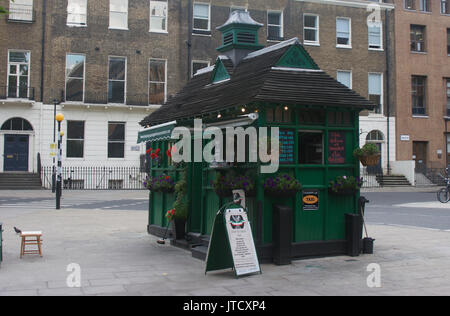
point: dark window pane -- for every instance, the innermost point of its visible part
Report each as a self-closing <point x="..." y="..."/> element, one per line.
<point x="116" y="131"/>
<point x="117" y="69"/>
<point x="19" y="57"/>
<point x="75" y="148"/>
<point x="116" y="92"/>
<point x="7" y="126"/>
<point x="311" y="35"/>
<point x="116" y="150"/>
<point x="27" y="126"/>
<point x="17" y="124"/>
<point x="74" y="90"/>
<point x="274" y="32"/>
<point x="12" y="87"/>
<point x="310" y="148"/>
<point x="201" y="24"/>
<point x="274" y="18"/>
<point x="310" y="21"/>
<point x="75" y="129"/>
<point x="158" y="70"/>
<point x="311" y="117"/>
<point x="156" y="93"/>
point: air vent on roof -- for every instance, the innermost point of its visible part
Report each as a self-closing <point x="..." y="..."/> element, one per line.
<point x="228" y="39"/>
<point x="245" y="37"/>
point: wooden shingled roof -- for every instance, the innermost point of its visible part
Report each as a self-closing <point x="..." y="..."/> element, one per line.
<point x="257" y="78"/>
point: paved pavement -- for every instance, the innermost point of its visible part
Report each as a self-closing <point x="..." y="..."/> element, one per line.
<point x="117" y="257"/>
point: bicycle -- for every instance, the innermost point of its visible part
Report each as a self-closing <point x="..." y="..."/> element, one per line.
<point x="444" y="194"/>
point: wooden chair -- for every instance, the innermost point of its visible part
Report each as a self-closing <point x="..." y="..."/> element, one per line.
<point x="31" y="239"/>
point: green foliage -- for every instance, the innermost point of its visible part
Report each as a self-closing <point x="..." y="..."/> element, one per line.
<point x="346" y="183"/>
<point x="368" y="149"/>
<point x="162" y="183"/>
<point x="181" y="204"/>
<point x="282" y="182"/>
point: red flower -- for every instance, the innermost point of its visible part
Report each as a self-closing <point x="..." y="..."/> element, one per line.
<point x="149" y="151"/>
<point x="157" y="151"/>
<point x="168" y="153"/>
<point x="167" y="178"/>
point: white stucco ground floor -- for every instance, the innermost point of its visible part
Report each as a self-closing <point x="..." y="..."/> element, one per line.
<point x="94" y="135"/>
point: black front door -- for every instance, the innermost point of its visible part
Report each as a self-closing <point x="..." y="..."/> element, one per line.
<point x="16" y="153"/>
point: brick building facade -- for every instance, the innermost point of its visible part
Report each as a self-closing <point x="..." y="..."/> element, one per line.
<point x="108" y="63"/>
<point x="423" y="87"/>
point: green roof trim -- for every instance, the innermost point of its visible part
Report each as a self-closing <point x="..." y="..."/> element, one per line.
<point x="297" y="57"/>
<point x="220" y="73"/>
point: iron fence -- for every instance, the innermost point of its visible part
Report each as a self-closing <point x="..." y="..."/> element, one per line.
<point x="97" y="178"/>
<point x="14" y="92"/>
<point x="371" y="177"/>
<point x="430" y="176"/>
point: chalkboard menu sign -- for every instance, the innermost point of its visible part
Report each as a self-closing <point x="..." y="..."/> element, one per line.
<point x="336" y="148"/>
<point x="287" y="144"/>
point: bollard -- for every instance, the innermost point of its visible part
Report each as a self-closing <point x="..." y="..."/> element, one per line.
<point x="353" y="231"/>
<point x="282" y="234"/>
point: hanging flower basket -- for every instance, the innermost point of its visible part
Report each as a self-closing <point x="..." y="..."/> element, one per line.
<point x="282" y="186"/>
<point x="368" y="155"/>
<point x="344" y="185"/>
<point x="368" y="161"/>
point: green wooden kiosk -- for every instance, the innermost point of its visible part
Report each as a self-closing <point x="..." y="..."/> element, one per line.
<point x="277" y="86"/>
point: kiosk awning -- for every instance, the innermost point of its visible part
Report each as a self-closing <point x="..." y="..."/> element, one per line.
<point x="156" y="133"/>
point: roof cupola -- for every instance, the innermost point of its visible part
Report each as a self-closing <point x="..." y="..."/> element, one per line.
<point x="239" y="36"/>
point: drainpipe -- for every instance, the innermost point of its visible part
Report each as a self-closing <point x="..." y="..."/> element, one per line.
<point x="44" y="23"/>
<point x="189" y="40"/>
<point x="388" y="94"/>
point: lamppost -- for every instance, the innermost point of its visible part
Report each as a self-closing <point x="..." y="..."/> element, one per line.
<point x="59" y="118"/>
<point x="55" y="102"/>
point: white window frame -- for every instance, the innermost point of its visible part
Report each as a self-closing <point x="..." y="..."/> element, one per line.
<point x="111" y="27"/>
<point x="18" y="65"/>
<point x="209" y="17"/>
<point x="346" y="71"/>
<point x="81" y="24"/>
<point x="422" y="6"/>
<point x="165" y="79"/>
<point x="382" y="91"/>
<point x="281" y="26"/>
<point x="84" y="78"/>
<point x="125" y="80"/>
<point x="75" y="139"/>
<point x="124" y="141"/>
<point x="380" y="25"/>
<point x="167" y="17"/>
<point x="349" y="45"/>
<point x="317" y="29"/>
<point x="24" y="11"/>
<point x="198" y="61"/>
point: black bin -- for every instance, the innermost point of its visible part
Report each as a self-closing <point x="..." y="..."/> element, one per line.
<point x="282" y="234"/>
<point x="368" y="246"/>
<point x="353" y="230"/>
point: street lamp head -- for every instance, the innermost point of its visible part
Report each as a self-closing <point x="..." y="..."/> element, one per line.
<point x="61" y="133"/>
<point x="59" y="117"/>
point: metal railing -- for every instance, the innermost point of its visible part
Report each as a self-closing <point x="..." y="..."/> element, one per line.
<point x="371" y="176"/>
<point x="21" y="13"/>
<point x="14" y="92"/>
<point x="97" y="178"/>
<point x="430" y="176"/>
<point x="102" y="98"/>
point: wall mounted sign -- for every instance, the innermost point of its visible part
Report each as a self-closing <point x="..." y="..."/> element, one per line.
<point x="310" y="200"/>
<point x="336" y="148"/>
<point x="404" y="138"/>
<point x="287" y="144"/>
<point x="232" y="244"/>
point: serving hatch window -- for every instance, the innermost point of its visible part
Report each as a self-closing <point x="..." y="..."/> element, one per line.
<point x="310" y="148"/>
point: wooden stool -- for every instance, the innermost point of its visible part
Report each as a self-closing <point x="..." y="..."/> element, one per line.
<point x="31" y="239"/>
